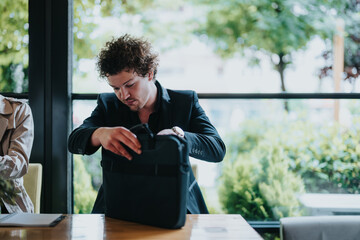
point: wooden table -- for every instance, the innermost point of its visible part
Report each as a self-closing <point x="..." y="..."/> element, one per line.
<point x="96" y="226"/>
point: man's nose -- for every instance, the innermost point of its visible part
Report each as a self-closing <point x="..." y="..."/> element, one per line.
<point x="124" y="93"/>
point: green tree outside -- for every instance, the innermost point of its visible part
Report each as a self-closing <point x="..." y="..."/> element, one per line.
<point x="14" y="41"/>
<point x="273" y="28"/>
<point x="348" y="11"/>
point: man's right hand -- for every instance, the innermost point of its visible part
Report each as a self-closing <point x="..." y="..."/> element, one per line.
<point x="111" y="138"/>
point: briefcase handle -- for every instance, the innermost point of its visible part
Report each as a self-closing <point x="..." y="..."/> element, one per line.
<point x="142" y="128"/>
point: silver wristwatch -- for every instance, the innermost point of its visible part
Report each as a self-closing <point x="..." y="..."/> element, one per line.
<point x="178" y="131"/>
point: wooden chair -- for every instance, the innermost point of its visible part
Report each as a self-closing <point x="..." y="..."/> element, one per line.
<point x="195" y="170"/>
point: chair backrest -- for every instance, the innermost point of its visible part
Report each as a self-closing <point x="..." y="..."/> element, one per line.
<point x="320" y="227"/>
<point x="195" y="170"/>
<point x="32" y="184"/>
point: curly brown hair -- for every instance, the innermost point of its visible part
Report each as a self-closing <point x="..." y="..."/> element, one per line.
<point x="127" y="53"/>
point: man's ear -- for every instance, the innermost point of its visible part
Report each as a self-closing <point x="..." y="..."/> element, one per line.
<point x="151" y="75"/>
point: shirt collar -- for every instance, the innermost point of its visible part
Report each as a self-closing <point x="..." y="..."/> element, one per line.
<point x="5" y="107"/>
<point x="162" y="96"/>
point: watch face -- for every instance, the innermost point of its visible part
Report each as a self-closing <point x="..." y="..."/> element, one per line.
<point x="178" y="131"/>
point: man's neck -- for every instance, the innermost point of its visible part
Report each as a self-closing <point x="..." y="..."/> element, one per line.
<point x="149" y="107"/>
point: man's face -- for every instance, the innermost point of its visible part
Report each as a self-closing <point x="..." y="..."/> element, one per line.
<point x="131" y="89"/>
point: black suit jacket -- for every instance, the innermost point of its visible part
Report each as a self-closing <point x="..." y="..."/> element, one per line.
<point x="172" y="108"/>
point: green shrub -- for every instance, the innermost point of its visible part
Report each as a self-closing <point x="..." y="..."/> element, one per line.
<point x="278" y="185"/>
<point x="270" y="163"/>
<point x="328" y="159"/>
<point x="239" y="190"/>
<point x="84" y="193"/>
<point x="259" y="185"/>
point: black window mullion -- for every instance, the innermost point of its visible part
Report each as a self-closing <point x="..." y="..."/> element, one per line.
<point x="50" y="31"/>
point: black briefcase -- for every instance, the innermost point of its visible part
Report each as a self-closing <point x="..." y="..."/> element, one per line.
<point x="152" y="188"/>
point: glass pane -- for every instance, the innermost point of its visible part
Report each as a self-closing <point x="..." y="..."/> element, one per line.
<point x="278" y="163"/>
<point x="240" y="46"/>
<point x="14" y="41"/>
<point x="87" y="176"/>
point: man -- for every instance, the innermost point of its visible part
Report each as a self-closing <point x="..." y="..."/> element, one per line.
<point x="16" y="138"/>
<point x="130" y="66"/>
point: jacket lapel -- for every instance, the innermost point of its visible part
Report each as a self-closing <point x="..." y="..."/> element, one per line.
<point x="166" y="108"/>
<point x="3" y="126"/>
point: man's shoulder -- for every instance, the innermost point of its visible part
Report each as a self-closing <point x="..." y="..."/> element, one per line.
<point x="181" y="94"/>
<point x="110" y="101"/>
<point x="107" y="97"/>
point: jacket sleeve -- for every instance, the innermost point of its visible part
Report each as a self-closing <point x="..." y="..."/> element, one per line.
<point x="79" y="139"/>
<point x="15" y="163"/>
<point x="203" y="140"/>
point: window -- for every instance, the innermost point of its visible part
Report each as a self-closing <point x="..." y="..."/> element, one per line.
<point x="265" y="78"/>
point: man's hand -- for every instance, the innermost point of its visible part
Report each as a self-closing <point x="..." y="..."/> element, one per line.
<point x="111" y="138"/>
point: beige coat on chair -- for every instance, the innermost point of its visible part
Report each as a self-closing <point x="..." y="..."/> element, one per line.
<point x="16" y="139"/>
